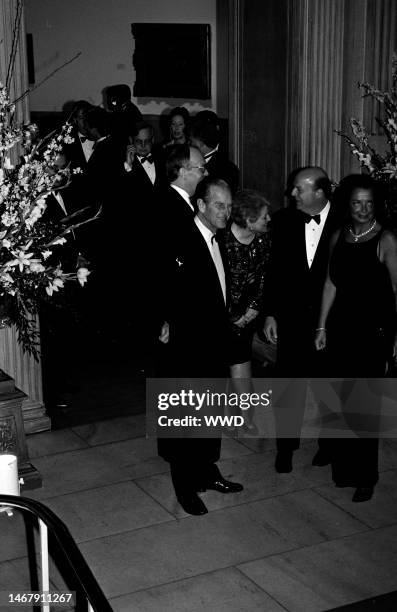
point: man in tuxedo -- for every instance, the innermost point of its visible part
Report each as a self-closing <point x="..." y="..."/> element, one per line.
<point x="145" y="171"/>
<point x="205" y="136"/>
<point x="298" y="267"/>
<point x="174" y="209"/>
<point x="198" y="334"/>
<point x="79" y="151"/>
<point x="185" y="168"/>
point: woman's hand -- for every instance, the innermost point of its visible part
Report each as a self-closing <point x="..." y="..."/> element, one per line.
<point x="165" y="333"/>
<point x="249" y="316"/>
<point x="395" y="350"/>
<point x="321" y="339"/>
<point x="270" y="330"/>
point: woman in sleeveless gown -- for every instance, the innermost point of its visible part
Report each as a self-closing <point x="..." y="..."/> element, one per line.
<point x="357" y="327"/>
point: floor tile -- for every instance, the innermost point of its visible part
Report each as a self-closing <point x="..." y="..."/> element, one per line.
<point x="224" y="591"/>
<point x="76" y="471"/>
<point x="233" y="448"/>
<point x="387" y="454"/>
<point x="173" y="551"/>
<point x="97" y="466"/>
<point x="323" y="576"/>
<point x="107" y="510"/>
<point x="380" y="511"/>
<point x="114" y="430"/>
<point x="258" y="445"/>
<point x="12" y="536"/>
<point x="138" y="457"/>
<point x="14" y="577"/>
<point x="53" y="442"/>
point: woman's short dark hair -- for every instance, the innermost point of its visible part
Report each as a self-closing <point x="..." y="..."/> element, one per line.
<point x="182" y="111"/>
<point x="348" y="184"/>
<point x="177" y="156"/>
<point x="247" y="206"/>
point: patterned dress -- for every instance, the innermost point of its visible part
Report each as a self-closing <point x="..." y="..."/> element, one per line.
<point x="247" y="266"/>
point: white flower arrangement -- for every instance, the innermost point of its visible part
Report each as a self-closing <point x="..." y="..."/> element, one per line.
<point x="28" y="274"/>
<point x="382" y="167"/>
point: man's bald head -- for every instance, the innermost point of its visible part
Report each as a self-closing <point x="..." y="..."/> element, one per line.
<point x="311" y="190"/>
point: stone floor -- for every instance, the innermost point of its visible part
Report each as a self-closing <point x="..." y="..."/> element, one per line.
<point x="287" y="542"/>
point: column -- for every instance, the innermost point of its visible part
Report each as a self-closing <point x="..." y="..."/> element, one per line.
<point x="315" y="77"/>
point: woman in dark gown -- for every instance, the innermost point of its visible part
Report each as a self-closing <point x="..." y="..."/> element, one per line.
<point x="357" y="325"/>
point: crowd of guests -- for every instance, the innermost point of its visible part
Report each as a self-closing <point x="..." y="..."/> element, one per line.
<point x="187" y="266"/>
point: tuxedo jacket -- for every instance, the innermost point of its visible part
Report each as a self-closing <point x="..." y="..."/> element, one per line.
<point x="140" y="192"/>
<point x="74" y="151"/>
<point x="100" y="177"/>
<point x="294" y="290"/>
<point x="197" y="312"/>
<point x="219" y="166"/>
<point x="174" y="214"/>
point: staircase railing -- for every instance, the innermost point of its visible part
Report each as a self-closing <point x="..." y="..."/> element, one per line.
<point x="87" y="594"/>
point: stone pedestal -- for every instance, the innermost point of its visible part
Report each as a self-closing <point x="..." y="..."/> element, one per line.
<point x="12" y="433"/>
<point x="27" y="375"/>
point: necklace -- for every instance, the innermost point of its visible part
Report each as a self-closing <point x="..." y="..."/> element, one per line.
<point x="358" y="236"/>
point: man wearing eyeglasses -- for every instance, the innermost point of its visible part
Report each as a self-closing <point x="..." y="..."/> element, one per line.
<point x="145" y="172"/>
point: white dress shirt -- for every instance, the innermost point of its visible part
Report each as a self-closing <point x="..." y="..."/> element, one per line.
<point x="149" y="168"/>
<point x="213" y="248"/>
<point x="313" y="233"/>
<point x="208" y="156"/>
<point x="60" y="201"/>
<point x="184" y="195"/>
<point x="87" y="146"/>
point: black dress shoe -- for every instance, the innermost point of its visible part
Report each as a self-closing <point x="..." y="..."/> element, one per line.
<point x="363" y="494"/>
<point x="223" y="486"/>
<point x="192" y="504"/>
<point x="283" y="463"/>
<point x="321" y="459"/>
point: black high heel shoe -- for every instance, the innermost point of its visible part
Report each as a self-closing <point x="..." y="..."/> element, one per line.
<point x="363" y="494"/>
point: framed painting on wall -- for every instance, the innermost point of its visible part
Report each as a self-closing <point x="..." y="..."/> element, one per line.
<point x="172" y="60"/>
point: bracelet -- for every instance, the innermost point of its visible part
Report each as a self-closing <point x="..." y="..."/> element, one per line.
<point x="321" y="329"/>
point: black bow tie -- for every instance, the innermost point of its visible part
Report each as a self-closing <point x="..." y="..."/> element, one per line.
<point x="214" y="238"/>
<point x="83" y="139"/>
<point x="308" y="218"/>
<point x="148" y="158"/>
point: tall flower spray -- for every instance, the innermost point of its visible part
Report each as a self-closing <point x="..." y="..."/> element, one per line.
<point x="29" y="271"/>
<point x="381" y="166"/>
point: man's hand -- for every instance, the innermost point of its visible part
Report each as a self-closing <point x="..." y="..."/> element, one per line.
<point x="165" y="333"/>
<point x="270" y="330"/>
<point x="130" y="154"/>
